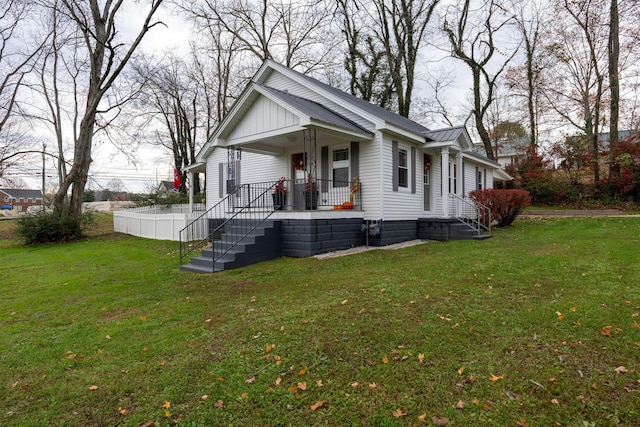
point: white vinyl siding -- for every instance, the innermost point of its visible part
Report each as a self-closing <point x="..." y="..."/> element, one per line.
<point x="255" y="168"/>
<point x="401" y="204"/>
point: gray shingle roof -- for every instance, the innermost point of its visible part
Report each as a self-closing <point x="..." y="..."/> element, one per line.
<point x="315" y="110"/>
<point x="24" y="194"/>
<point x="374" y="110"/>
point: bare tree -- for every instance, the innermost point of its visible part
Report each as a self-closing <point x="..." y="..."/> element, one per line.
<point x="170" y="110"/>
<point x="364" y="62"/>
<point x="473" y="40"/>
<point x="575" y="79"/>
<point x="16" y="61"/>
<point x="613" y="50"/>
<point x="383" y="40"/>
<point x="287" y="31"/>
<point x="107" y="57"/>
<point x="529" y="21"/>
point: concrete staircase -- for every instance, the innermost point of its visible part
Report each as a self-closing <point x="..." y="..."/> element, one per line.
<point x="463" y="231"/>
<point x="261" y="244"/>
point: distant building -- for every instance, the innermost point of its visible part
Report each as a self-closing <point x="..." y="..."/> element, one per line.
<point x="19" y="200"/>
<point x="511" y="151"/>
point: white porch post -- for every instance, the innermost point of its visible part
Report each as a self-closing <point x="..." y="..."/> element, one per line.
<point x="460" y="175"/>
<point x="444" y="176"/>
<point x="190" y="180"/>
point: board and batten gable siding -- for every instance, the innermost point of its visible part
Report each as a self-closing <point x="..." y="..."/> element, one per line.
<point x="281" y="82"/>
<point x="402" y="204"/>
<point x="263" y="116"/>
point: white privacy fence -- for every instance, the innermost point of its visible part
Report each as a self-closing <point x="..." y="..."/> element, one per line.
<point x="161" y="222"/>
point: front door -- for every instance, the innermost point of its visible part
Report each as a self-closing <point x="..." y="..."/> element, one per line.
<point x="426" y="181"/>
<point x="298" y="180"/>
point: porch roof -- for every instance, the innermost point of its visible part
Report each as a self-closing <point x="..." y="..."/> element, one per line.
<point x="313" y="110"/>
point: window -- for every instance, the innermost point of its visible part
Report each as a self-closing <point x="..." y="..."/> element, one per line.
<point x="341" y="168"/>
<point x="403" y="168"/>
<point x="479" y="179"/>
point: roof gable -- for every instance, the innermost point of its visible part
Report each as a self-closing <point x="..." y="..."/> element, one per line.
<point x="364" y="108"/>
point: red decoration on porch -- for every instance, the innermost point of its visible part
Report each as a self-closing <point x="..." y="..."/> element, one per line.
<point x="176" y="180"/>
<point x="298" y="161"/>
<point x="427" y="162"/>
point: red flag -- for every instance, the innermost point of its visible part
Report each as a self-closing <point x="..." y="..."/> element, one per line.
<point x="176" y="180"/>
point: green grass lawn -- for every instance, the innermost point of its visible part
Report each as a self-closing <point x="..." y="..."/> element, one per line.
<point x="537" y="326"/>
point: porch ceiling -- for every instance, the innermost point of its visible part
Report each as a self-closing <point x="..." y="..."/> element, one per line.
<point x="279" y="142"/>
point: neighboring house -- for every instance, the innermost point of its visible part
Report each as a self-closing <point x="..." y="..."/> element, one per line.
<point x="354" y="173"/>
<point x="511" y="151"/>
<point x="20" y="200"/>
<point x="165" y="188"/>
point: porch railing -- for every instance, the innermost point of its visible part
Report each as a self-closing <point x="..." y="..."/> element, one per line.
<point x="225" y="224"/>
<point x="243" y="211"/>
<point x="298" y="195"/>
<point x="470" y="212"/>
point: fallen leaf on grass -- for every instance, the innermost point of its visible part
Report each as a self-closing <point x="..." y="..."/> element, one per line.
<point x="93" y="387"/>
<point x="422" y="418"/>
<point x="560" y="315"/>
<point x="344" y="302"/>
<point x="317" y="405"/>
<point x="277" y="359"/>
<point x="108" y="337"/>
<point x="204" y="396"/>
<point x="355" y="385"/>
<point x="166" y="404"/>
<point x="278" y="381"/>
<point x="319" y="383"/>
<point x="385" y="360"/>
<point x="606" y="331"/>
<point x="219" y="404"/>
<point x="244" y="395"/>
<point x="522" y="423"/>
<point x="420" y="357"/>
<point x="573" y="309"/>
<point x="621" y="370"/>
<point x="269" y="347"/>
<point x="494" y="378"/>
<point x="143" y="318"/>
<point x="250" y="380"/>
<point x="399" y="413"/>
<point x="440" y="421"/>
<point x="302" y="386"/>
<point x="122" y="411"/>
<point x="555" y="401"/>
<point x="167" y="414"/>
<point x="460" y="370"/>
<point x="459" y="405"/>
<point x="293" y="388"/>
<point x="475" y="401"/>
<point x="302" y="371"/>
<point x="373" y="385"/>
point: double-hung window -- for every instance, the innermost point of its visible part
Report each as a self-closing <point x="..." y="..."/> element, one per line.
<point x="341" y="168"/>
<point x="403" y="168"/>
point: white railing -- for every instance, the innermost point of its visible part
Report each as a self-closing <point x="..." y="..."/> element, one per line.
<point x="470" y="212"/>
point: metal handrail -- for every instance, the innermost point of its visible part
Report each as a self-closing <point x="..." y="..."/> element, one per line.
<point x="243" y="210"/>
<point x="470" y="212"/>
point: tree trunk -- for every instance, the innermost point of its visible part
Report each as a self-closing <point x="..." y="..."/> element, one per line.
<point x="614" y="84"/>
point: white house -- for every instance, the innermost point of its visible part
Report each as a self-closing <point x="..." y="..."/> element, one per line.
<point x="354" y="173"/>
